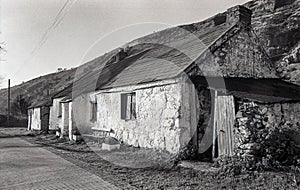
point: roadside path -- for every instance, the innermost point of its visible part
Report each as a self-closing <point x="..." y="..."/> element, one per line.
<point x="27" y="166"/>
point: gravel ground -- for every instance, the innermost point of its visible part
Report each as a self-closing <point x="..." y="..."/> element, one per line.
<point x="162" y="176"/>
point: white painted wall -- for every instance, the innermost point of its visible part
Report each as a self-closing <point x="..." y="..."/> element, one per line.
<point x="35" y="119"/>
<point x="81" y="108"/>
<point x="64" y="125"/>
<point x="70" y="122"/>
<point x="55" y="121"/>
<point x="160" y="121"/>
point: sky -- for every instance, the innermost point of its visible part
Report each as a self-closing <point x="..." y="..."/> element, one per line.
<point x="41" y="36"/>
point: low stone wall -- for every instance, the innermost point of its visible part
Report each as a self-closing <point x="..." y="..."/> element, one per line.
<point x="267" y="131"/>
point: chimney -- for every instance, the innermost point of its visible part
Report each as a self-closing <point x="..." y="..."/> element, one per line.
<point x="220" y="19"/>
<point x="239" y="14"/>
<point x="120" y="55"/>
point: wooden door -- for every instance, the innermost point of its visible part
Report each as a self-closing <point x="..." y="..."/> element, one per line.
<point x="30" y="119"/>
<point x="45" y="113"/>
<point x="224" y="122"/>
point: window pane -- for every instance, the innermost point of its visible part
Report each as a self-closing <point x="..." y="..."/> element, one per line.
<point x="133" y="106"/>
<point x="123" y="105"/>
<point x="93" y="111"/>
<point x="59" y="109"/>
<point x="128" y="107"/>
<point x="96" y="108"/>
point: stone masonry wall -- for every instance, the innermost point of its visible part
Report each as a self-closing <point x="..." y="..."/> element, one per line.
<point x="269" y="131"/>
<point x="242" y="56"/>
<point x="236" y="54"/>
<point x="205" y="122"/>
<point x="162" y="117"/>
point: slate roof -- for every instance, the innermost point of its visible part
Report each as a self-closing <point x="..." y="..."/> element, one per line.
<point x="166" y="61"/>
<point x="63" y="93"/>
<point x="166" y="54"/>
<point x="46" y="102"/>
<point x="147" y="62"/>
<point x="260" y="90"/>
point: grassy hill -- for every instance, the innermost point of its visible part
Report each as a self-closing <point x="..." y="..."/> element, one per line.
<point x="38" y="88"/>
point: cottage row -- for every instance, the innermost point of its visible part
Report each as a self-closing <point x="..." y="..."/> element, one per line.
<point x="180" y="93"/>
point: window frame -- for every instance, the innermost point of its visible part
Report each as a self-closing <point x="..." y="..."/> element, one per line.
<point x="128" y="115"/>
<point x="59" y="114"/>
<point x="94" y="109"/>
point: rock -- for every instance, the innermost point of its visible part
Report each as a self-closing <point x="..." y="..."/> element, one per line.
<point x="110" y="147"/>
<point x="111" y="141"/>
<point x="264" y="111"/>
<point x="239" y="115"/>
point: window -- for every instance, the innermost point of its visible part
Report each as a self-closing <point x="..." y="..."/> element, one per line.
<point x="128" y="106"/>
<point x="59" y="109"/>
<point x="93" y="111"/>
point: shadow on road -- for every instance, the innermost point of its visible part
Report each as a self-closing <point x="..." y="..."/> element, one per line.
<point x="32" y="146"/>
<point x="3" y="136"/>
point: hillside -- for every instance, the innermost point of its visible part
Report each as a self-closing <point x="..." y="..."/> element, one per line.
<point x="276" y="25"/>
<point x="37" y="89"/>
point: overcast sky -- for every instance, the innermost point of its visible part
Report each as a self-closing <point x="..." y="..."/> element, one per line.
<point x="34" y="46"/>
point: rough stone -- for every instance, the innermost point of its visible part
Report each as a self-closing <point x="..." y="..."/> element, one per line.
<point x="255" y="134"/>
<point x="162" y="116"/>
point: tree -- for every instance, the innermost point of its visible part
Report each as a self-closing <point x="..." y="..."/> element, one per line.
<point x="20" y="104"/>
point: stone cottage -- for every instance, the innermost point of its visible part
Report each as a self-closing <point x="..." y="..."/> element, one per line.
<point x="38" y="116"/>
<point x="245" y="112"/>
<point x="155" y="96"/>
<point x="59" y="112"/>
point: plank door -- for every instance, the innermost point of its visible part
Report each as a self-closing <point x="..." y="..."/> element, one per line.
<point x="225" y="117"/>
<point x="45" y="113"/>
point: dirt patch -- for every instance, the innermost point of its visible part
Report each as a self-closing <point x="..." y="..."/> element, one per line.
<point x="160" y="177"/>
<point x="14" y="132"/>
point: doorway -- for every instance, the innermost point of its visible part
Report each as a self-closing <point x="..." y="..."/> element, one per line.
<point x="224" y="118"/>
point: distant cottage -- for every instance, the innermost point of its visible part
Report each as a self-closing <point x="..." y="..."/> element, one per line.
<point x="38" y="115"/>
<point x="155" y="96"/>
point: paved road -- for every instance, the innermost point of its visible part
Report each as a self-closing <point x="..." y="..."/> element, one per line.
<point x="27" y="166"/>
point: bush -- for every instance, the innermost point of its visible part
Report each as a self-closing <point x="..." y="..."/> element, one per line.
<point x="276" y="152"/>
<point x="278" y="149"/>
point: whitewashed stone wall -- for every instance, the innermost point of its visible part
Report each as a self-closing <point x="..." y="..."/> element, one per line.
<point x="64" y="125"/>
<point x="55" y="121"/>
<point x="163" y="115"/>
<point x="35" y="119"/>
<point x="81" y="108"/>
<point x="70" y="121"/>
